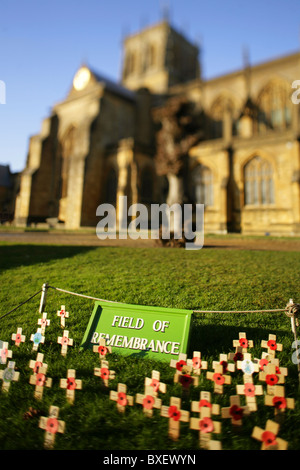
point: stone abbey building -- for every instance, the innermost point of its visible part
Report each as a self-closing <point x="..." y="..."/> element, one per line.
<point x="100" y="142"/>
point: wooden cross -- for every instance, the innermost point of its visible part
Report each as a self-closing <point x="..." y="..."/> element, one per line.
<point x="223" y="360"/>
<point x="279" y="401"/>
<point x="52" y="426"/>
<point x="205" y="401"/>
<point x="179" y="363"/>
<point x="121" y="397"/>
<point x="196" y="363"/>
<point x="235" y="411"/>
<point x="185" y="378"/>
<point x="266" y="359"/>
<point x="175" y="415"/>
<point x="218" y="378"/>
<point x="5" y="353"/>
<point x="238" y="355"/>
<point x="206" y="427"/>
<point x="155" y="383"/>
<point x="62" y="314"/>
<point x="149" y="401"/>
<point x="40" y="381"/>
<point x="65" y="341"/>
<point x="35" y="365"/>
<point x="271" y="376"/>
<point x="271" y="345"/>
<point x="104" y="373"/>
<point x="8" y="375"/>
<point x="247" y="366"/>
<point x="268" y="436"/>
<point x="250" y="391"/>
<point x="243" y="342"/>
<point x="43" y="322"/>
<point x="37" y="338"/>
<point x="18" y="338"/>
<point x="71" y="384"/>
<point x="102" y="349"/>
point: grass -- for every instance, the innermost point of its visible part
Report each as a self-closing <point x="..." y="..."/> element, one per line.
<point x="208" y="279"/>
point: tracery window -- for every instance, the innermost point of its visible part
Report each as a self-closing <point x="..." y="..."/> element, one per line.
<point x="218" y="110"/>
<point x="202" y="180"/>
<point x="274" y="107"/>
<point x="259" y="182"/>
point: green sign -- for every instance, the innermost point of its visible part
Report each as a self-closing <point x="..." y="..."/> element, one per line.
<point x="154" y="332"/>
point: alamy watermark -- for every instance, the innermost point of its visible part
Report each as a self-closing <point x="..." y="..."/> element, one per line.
<point x="165" y="221"/>
<point x="2" y="92"/>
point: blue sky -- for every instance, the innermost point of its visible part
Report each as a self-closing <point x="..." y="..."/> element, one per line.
<point x="43" y="43"/>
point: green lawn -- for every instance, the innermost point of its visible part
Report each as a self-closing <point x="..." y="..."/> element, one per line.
<point x="207" y="279"/>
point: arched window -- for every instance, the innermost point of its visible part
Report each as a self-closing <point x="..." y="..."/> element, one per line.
<point x="220" y="106"/>
<point x="202" y="180"/>
<point x="274" y="107"/>
<point x="259" y="182"/>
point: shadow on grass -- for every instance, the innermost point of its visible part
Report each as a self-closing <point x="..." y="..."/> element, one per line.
<point x="12" y="256"/>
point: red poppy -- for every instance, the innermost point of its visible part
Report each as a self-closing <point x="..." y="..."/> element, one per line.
<point x="174" y="413"/>
<point x="277" y="370"/>
<point x="52" y="425"/>
<point x="218" y="379"/>
<point x="224" y="364"/>
<point x="263" y="363"/>
<point x="148" y="402"/>
<point x="40" y="379"/>
<point x="196" y="362"/>
<point x="64" y="340"/>
<point x="71" y="384"/>
<point x="185" y="380"/>
<point x="37" y="365"/>
<point x="155" y="385"/>
<point x="238" y="356"/>
<point x="62" y="313"/>
<point x="272" y="344"/>
<point x="243" y="342"/>
<point x="104" y="373"/>
<point x="205" y="403"/>
<point x="18" y="338"/>
<point x="268" y="438"/>
<point x="279" y="402"/>
<point x="271" y="379"/>
<point x="236" y="412"/>
<point x="249" y="390"/>
<point x="206" y="425"/>
<point x="180" y="365"/>
<point x="4" y="354"/>
<point x="102" y="350"/>
<point x="122" y="399"/>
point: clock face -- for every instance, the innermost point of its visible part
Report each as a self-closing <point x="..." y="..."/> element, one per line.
<point x="81" y="78"/>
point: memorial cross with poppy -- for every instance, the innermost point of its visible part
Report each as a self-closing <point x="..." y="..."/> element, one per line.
<point x="175" y="415"/>
<point x="43" y="322"/>
<point x="205" y="402"/>
<point x="121" y="398"/>
<point x="65" y="341"/>
<point x="271" y="376"/>
<point x="104" y="373"/>
<point x="5" y="353"/>
<point x="51" y="425"/>
<point x="35" y="365"/>
<point x="63" y="315"/>
<point x="206" y="427"/>
<point x="271" y="345"/>
<point x="149" y="401"/>
<point x="279" y="401"/>
<point x="219" y="378"/>
<point x="269" y="436"/>
<point x="224" y="361"/>
<point x="71" y="384"/>
<point x="8" y="375"/>
<point x="247" y="365"/>
<point x="197" y="363"/>
<point x="40" y="381"/>
<point x="17" y="337"/>
<point x="155" y="384"/>
<point x="243" y="342"/>
<point x="235" y="411"/>
<point x="102" y="349"/>
<point x="250" y="391"/>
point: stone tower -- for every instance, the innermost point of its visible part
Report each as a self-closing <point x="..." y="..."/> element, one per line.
<point x="157" y="58"/>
